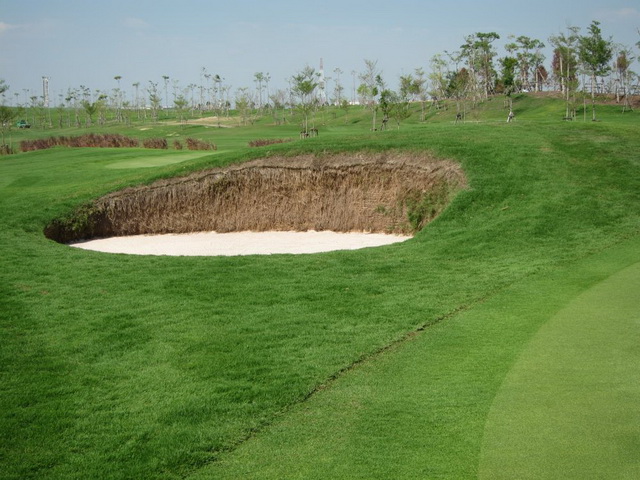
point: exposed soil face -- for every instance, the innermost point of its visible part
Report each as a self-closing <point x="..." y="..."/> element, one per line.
<point x="385" y="193"/>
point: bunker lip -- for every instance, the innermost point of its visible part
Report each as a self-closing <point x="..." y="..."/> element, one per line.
<point x="395" y="193"/>
<point x="239" y="243"/>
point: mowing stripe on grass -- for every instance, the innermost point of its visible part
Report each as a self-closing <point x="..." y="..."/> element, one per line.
<point x="568" y="407"/>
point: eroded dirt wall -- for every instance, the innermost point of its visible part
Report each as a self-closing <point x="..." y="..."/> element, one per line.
<point x="389" y="193"/>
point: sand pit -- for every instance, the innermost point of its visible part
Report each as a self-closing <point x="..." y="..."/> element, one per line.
<point x="238" y="243"/>
<point x="303" y="204"/>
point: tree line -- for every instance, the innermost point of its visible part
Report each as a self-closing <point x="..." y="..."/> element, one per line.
<point x="582" y="62"/>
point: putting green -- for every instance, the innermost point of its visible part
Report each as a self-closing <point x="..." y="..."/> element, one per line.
<point x="568" y="407"/>
<point x="156" y="161"/>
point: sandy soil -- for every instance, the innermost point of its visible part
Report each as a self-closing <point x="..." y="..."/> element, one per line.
<point x="223" y="122"/>
<point x="238" y="243"/>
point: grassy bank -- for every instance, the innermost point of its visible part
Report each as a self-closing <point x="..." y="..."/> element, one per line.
<point x="467" y="399"/>
<point x="116" y="366"/>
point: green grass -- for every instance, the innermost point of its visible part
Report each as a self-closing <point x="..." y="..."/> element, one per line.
<point x="115" y="366"/>
<point x="568" y="403"/>
<point x="152" y="161"/>
<point x="444" y="404"/>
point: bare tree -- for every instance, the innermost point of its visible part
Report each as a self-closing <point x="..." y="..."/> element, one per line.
<point x="244" y="104"/>
<point x="259" y="78"/>
<point x="338" y="88"/>
<point x="192" y="101"/>
<point x="439" y="79"/>
<point x="3" y="88"/>
<point x="621" y="68"/>
<point x="90" y="108"/>
<point x="117" y="99"/>
<point x="155" y="100"/>
<point x="267" y="79"/>
<point x="180" y="102"/>
<point x="7" y="117"/>
<point x="370" y="87"/>
<point x="420" y="90"/>
<point x="353" y="93"/>
<point x="304" y="85"/>
<point x="136" y="86"/>
<point x="279" y="101"/>
<point x="165" y="78"/>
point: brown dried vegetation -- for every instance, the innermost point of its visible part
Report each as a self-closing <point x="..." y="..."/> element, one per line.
<point x="159" y="143"/>
<point x="389" y="193"/>
<point x="196" y="144"/>
<point x="262" y="142"/>
<point x="110" y="140"/>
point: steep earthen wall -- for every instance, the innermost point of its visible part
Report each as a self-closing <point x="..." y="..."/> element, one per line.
<point x="390" y="193"/>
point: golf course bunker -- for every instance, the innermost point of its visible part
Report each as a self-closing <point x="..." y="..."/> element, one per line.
<point x="386" y="197"/>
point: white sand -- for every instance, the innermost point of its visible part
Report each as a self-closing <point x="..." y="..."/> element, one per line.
<point x="238" y="243"/>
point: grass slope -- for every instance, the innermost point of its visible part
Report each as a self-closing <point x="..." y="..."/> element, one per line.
<point x="114" y="366"/>
<point x="436" y="407"/>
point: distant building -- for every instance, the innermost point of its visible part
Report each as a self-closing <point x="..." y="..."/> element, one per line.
<point x="322" y="85"/>
<point x="45" y="91"/>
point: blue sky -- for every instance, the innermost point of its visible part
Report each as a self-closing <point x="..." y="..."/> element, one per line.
<point x="89" y="42"/>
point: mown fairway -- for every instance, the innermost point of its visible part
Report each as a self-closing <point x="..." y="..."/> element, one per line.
<point x="482" y="395"/>
<point x="393" y="361"/>
<point x="567" y="404"/>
